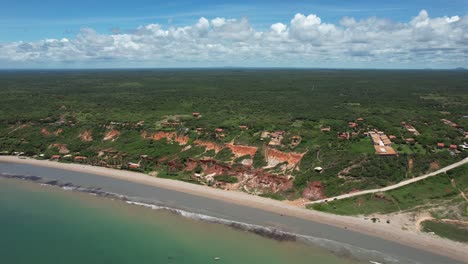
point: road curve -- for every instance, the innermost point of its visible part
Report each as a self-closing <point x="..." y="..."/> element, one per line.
<point x="395" y="186"/>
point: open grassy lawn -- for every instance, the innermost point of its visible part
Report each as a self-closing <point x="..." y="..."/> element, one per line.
<point x="407" y="149"/>
<point x="450" y="231"/>
<point x="363" y="146"/>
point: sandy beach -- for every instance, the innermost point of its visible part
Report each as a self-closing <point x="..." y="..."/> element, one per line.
<point x="389" y="232"/>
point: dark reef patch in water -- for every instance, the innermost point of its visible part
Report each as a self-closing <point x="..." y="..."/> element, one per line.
<point x="343" y="250"/>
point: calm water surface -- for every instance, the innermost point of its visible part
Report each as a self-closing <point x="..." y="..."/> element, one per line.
<point x="43" y="224"/>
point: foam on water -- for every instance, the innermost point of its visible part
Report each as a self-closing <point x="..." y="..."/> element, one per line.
<point x="338" y="248"/>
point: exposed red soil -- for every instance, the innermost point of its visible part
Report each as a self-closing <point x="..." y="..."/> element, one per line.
<point x="314" y="191"/>
<point x="239" y="150"/>
<point x="111" y="135"/>
<point x="86" y="136"/>
<point x="252" y="179"/>
<point x="58" y="132"/>
<point x="209" y="145"/>
<point x="274" y="157"/>
<point x="410" y="164"/>
<point x="62" y="148"/>
<point x="45" y="132"/>
<point x="434" y="166"/>
<point x="268" y="183"/>
<point x="182" y="140"/>
<point x="169" y="136"/>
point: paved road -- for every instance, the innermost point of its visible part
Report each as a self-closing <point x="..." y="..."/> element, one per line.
<point x="395" y="186"/>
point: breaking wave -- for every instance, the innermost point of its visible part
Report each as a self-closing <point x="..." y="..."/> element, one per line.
<point x="340" y="249"/>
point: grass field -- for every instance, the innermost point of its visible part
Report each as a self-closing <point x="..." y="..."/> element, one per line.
<point x="424" y="194"/>
<point x="450" y="231"/>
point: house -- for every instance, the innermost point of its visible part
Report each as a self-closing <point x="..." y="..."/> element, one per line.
<point x="295" y="140"/>
<point x="382" y="144"/>
<point x="325" y="129"/>
<point x="276" y="138"/>
<point x="196" y="114"/>
<point x="318" y="169"/>
<point x="343" y="135"/>
<point x="244" y="127"/>
<point x="80" y="158"/>
<point x="264" y="134"/>
<point x="281" y="133"/>
<point x="55" y="157"/>
<point x="352" y="124"/>
<point x="392" y="137"/>
<point x="440" y="145"/>
<point x="409" y="140"/>
<point x="453" y="146"/>
<point x="219" y="130"/>
<point x="360" y="119"/>
<point x="132" y="165"/>
<point x="68" y="156"/>
<point x="411" y="129"/>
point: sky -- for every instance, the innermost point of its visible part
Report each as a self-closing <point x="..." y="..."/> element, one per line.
<point x="409" y="34"/>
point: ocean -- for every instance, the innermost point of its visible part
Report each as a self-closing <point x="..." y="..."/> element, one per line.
<point x="47" y="224"/>
<point x="54" y="215"/>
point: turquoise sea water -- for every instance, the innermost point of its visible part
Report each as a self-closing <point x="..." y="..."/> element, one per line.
<point x="44" y="224"/>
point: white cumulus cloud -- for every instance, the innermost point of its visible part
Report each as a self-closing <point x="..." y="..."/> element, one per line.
<point x="306" y="41"/>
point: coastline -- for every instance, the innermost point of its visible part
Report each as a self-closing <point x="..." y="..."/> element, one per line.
<point x="389" y="232"/>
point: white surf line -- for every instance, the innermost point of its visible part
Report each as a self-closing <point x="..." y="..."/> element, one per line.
<point x="391" y="187"/>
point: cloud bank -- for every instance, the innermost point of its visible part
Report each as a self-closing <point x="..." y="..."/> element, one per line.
<point x="305" y="41"/>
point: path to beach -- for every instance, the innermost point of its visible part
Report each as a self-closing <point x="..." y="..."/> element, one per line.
<point x="395" y="186"/>
<point x="243" y="207"/>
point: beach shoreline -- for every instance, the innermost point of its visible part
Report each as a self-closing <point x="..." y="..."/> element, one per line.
<point x="389" y="232"/>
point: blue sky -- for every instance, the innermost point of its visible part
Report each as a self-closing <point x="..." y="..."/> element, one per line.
<point x="36" y="21"/>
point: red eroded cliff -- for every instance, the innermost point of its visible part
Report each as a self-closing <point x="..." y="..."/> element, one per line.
<point x="86" y="136"/>
<point x="169" y="136"/>
<point x="209" y="145"/>
<point x="58" y="132"/>
<point x="111" y="135"/>
<point x="239" y="150"/>
<point x="314" y="191"/>
<point x="274" y="157"/>
<point x="45" y="132"/>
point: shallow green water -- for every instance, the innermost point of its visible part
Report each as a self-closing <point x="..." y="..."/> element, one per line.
<point x="41" y="224"/>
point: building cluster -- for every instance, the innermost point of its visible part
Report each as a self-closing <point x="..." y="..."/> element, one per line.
<point x="382" y="144"/>
<point x="275" y="137"/>
<point x="410" y="128"/>
<point x="448" y="122"/>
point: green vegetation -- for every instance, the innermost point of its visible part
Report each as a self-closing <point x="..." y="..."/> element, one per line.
<point x="226" y="179"/>
<point x="447" y="230"/>
<point x="41" y="111"/>
<point x="427" y="193"/>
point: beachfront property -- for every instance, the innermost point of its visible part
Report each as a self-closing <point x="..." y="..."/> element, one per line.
<point x="382" y="144"/>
